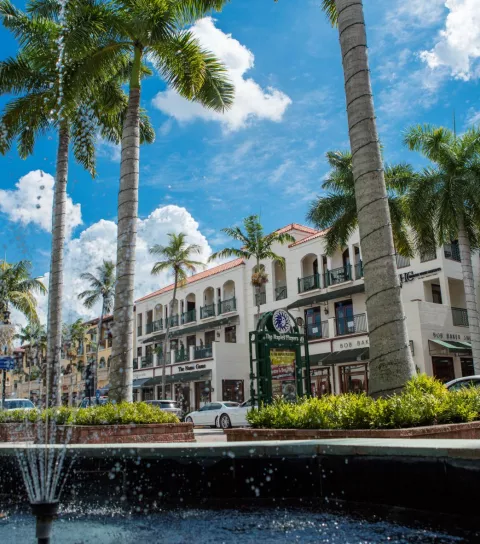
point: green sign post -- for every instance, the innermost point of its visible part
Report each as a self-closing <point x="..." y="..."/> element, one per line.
<point x="276" y="363"/>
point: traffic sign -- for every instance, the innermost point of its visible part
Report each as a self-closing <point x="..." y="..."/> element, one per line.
<point x="7" y="363"/>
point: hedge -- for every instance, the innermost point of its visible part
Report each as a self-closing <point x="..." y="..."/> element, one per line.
<point x="107" y="414"/>
<point x="424" y="401"/>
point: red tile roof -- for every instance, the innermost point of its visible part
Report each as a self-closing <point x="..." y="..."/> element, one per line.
<point x="97" y="319"/>
<point x="197" y="277"/>
<point x="296" y="226"/>
<point x="317" y="234"/>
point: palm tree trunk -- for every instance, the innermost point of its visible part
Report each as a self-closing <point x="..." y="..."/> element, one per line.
<point x="121" y="374"/>
<point x="55" y="292"/>
<point x="165" y="346"/>
<point x="95" y="367"/>
<point x="470" y="298"/>
<point x="391" y="363"/>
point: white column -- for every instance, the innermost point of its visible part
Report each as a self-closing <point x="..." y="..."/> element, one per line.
<point x="191" y="353"/>
<point x="351" y="256"/>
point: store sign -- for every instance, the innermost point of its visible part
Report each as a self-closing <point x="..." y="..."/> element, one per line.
<point x="410" y="276"/>
<point x="353" y="343"/>
<point x="189" y="368"/>
<point x="283" y="373"/>
<point x="451" y="336"/>
<point x="138" y="375"/>
<point x="281" y="321"/>
<point x="280" y="337"/>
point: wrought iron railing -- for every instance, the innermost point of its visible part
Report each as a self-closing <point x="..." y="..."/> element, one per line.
<point x="317" y="330"/>
<point x="260" y="298"/>
<point x="460" y="317"/>
<point x="181" y="356"/>
<point x="139" y="330"/>
<point x="308" y="283"/>
<point x="154" y="326"/>
<point x="149" y="328"/>
<point x="359" y="270"/>
<point x="281" y="292"/>
<point x="225" y="306"/>
<point x="207" y="311"/>
<point x="351" y="324"/>
<point x="135" y="364"/>
<point x="147" y="361"/>
<point x="173" y="321"/>
<point x="160" y="359"/>
<point x="205" y="352"/>
<point x="452" y="251"/>
<point x="337" y="275"/>
<point x="189" y="317"/>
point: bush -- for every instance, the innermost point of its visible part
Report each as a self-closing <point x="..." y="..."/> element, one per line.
<point x="108" y="414"/>
<point x="424" y="401"/>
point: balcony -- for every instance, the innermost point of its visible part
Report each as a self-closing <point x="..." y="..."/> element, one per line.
<point x="135" y="364"/>
<point x="260" y="298"/>
<point x="139" y="331"/>
<point x="281" y="292"/>
<point x="460" y="317"/>
<point x="338" y="275"/>
<point x="207" y="311"/>
<point x="317" y="330"/>
<point x="181" y="356"/>
<point x="228" y="305"/>
<point x="173" y="321"/>
<point x="308" y="283"/>
<point x="452" y="251"/>
<point x="189" y="317"/>
<point x="359" y="270"/>
<point x="160" y="359"/>
<point x="154" y="326"/>
<point x="351" y="324"/>
<point x="205" y="352"/>
<point x="147" y="361"/>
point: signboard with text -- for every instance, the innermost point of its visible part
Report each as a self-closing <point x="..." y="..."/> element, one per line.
<point x="7" y="363"/>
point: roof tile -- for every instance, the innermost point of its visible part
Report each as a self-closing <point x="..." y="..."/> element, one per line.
<point x="317" y="234"/>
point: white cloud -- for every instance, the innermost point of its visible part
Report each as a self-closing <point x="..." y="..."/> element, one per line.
<point x="31" y="203"/>
<point x="251" y="100"/>
<point x="458" y="45"/>
<point x="473" y="118"/>
<point x="108" y="150"/>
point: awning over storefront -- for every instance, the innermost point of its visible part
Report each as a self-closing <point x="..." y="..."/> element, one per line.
<point x="138" y="383"/>
<point x="194" y="329"/>
<point x="451" y="345"/>
<point x="181" y="377"/>
<point x="337" y="357"/>
<point x="322" y="297"/>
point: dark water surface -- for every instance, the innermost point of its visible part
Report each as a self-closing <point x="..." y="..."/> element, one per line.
<point x="217" y="527"/>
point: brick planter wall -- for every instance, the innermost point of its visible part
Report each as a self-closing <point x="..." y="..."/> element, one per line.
<point x="104" y="434"/>
<point x="455" y="430"/>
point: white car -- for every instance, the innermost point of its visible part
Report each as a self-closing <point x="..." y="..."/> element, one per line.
<point x="17" y="404"/>
<point x="235" y="417"/>
<point x="462" y="383"/>
<point x="209" y="415"/>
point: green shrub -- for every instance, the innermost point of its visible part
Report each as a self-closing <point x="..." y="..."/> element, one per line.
<point x="424" y="401"/>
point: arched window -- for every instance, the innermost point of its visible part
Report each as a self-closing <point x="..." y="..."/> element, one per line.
<point x="102" y="363"/>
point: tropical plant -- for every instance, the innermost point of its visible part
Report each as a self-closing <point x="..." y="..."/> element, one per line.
<point x="446" y="195"/>
<point x="391" y="364"/>
<point x="158" y="31"/>
<point x="257" y="246"/>
<point x="54" y="92"/>
<point x="176" y="259"/>
<point x="18" y="289"/>
<point x="336" y="211"/>
<point x="102" y="287"/>
<point x="33" y="339"/>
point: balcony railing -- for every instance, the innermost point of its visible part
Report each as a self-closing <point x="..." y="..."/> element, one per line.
<point x="228" y="305"/>
<point x="173" y="320"/>
<point x="135" y="364"/>
<point x="317" y="330"/>
<point x="260" y="298"/>
<point x="160" y="359"/>
<point x="189" y="317"/>
<point x="205" y="352"/>
<point x="359" y="270"/>
<point x="207" y="311"/>
<point x="308" y="283"/>
<point x="281" y="292"/>
<point x="351" y="324"/>
<point x="181" y="356"/>
<point x="154" y="326"/>
<point x="460" y="317"/>
<point x="452" y="251"/>
<point x="139" y="330"/>
<point x="149" y="328"/>
<point x="338" y="275"/>
<point x="146" y="361"/>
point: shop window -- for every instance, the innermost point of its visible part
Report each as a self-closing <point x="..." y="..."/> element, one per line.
<point x="436" y="293"/>
<point x="467" y="367"/>
<point x="321" y="382"/>
<point x="203" y="394"/>
<point x="443" y="368"/>
<point x="232" y="390"/>
<point x="231" y="335"/>
<point x="354" y="378"/>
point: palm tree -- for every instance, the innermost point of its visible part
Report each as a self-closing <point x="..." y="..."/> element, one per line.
<point x="102" y="288"/>
<point x="157" y="31"/>
<point x="73" y="337"/>
<point x="446" y="194"/>
<point x="176" y="258"/>
<point x="336" y="212"/>
<point x="255" y="245"/>
<point x="31" y="336"/>
<point x="56" y="92"/>
<point x="18" y="289"/>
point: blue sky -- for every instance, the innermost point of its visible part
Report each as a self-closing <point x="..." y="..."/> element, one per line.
<point x="268" y="155"/>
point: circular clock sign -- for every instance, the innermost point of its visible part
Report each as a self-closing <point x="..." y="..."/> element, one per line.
<point x="281" y="321"/>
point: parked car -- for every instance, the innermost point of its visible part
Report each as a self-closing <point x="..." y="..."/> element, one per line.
<point x="92" y="401"/>
<point x="17" y="404"/>
<point x="170" y="406"/>
<point x="235" y="417"/>
<point x="461" y="383"/>
<point x="208" y="415"/>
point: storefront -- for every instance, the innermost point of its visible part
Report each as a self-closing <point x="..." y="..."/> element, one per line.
<point x="451" y="357"/>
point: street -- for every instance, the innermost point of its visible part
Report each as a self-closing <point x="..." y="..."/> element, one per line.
<point x="209" y="435"/>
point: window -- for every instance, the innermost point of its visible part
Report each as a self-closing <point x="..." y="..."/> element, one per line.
<point x="428" y="256"/>
<point x="209" y="338"/>
<point x="436" y="293"/>
<point x="232" y="390"/>
<point x="443" y="368"/>
<point x="231" y="335"/>
<point x="139" y="352"/>
<point x="467" y="367"/>
<point x="402" y="262"/>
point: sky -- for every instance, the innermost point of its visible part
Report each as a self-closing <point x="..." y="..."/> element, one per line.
<point x="265" y="156"/>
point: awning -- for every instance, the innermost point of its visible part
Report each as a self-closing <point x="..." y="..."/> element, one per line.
<point x="138" y="383"/>
<point x="453" y="346"/>
<point x="322" y="297"/>
<point x="193" y="329"/>
<point x="181" y="377"/>
<point x="344" y="356"/>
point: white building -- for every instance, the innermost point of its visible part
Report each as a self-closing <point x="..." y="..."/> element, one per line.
<point x="215" y="310"/>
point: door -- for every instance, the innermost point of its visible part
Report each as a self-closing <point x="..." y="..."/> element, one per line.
<point x="344" y="318"/>
<point x="443" y="368"/>
<point x="201" y="417"/>
<point x="203" y="394"/>
<point x="213" y="412"/>
<point x="182" y="396"/>
<point x="354" y="378"/>
<point x="467" y="367"/>
<point x="321" y="382"/>
<point x="232" y="390"/>
<point x="209" y="338"/>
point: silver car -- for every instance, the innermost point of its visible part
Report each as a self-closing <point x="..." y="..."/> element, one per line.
<point x="461" y="383"/>
<point x="170" y="406"/>
<point x="17" y="404"/>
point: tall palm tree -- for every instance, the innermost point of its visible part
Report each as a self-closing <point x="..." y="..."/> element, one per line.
<point x="336" y="211"/>
<point x="255" y="245"/>
<point x="18" y="289"/>
<point x="54" y="92"/>
<point x="176" y="258"/>
<point x="102" y="287"/>
<point x="31" y="336"/>
<point x="446" y="194"/>
<point x="158" y="31"/>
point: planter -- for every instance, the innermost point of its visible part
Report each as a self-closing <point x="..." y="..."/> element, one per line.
<point x="102" y="434"/>
<point x="454" y="430"/>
